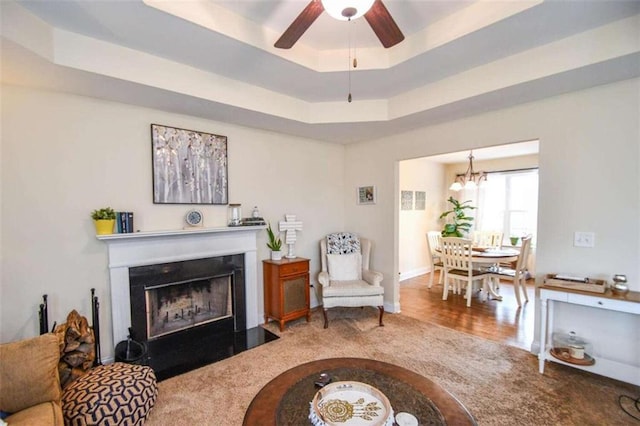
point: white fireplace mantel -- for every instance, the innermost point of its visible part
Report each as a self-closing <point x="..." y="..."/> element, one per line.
<point x="150" y="248"/>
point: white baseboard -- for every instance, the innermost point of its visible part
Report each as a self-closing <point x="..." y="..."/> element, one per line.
<point x="414" y="273"/>
<point x="393" y="308"/>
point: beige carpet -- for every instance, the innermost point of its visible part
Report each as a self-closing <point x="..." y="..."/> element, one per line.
<point x="500" y="385"/>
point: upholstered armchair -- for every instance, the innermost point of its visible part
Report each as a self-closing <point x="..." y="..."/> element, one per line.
<point x="346" y="279"/>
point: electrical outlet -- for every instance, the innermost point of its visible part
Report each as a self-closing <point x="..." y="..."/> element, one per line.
<point x="584" y="239"/>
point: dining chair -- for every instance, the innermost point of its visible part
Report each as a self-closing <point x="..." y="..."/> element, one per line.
<point x="456" y="254"/>
<point x="433" y="243"/>
<point x="517" y="275"/>
<point x="489" y="239"/>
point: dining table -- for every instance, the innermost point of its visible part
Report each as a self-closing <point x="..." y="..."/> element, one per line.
<point x="491" y="258"/>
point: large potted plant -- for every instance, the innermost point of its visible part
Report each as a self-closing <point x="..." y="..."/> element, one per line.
<point x="275" y="244"/>
<point x="104" y="219"/>
<point x="459" y="223"/>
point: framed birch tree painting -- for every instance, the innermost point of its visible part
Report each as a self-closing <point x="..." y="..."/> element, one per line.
<point x="189" y="167"/>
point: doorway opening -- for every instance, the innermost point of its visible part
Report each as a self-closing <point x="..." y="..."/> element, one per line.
<point x="506" y="201"/>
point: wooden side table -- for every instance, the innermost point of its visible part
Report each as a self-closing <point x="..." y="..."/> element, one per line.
<point x="286" y="290"/>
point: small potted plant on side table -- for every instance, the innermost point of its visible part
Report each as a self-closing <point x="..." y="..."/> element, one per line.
<point x="275" y="244"/>
<point x="104" y="219"/>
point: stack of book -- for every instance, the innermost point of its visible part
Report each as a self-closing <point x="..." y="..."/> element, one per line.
<point x="124" y="222"/>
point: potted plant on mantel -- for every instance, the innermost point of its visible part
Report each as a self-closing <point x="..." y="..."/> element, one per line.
<point x="461" y="223"/>
<point x="104" y="219"/>
<point x="275" y="244"/>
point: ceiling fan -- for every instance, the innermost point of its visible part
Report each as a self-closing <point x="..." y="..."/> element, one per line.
<point x="374" y="12"/>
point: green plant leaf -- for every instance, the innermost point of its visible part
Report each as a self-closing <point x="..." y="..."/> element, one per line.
<point x="274" y="243"/>
<point x="461" y="222"/>
<point x="105" y="213"/>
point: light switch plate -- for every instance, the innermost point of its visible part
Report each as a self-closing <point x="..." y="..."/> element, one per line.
<point x="584" y="239"/>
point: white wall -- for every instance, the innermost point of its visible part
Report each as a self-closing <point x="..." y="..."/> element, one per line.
<point x="419" y="174"/>
<point x="589" y="181"/>
<point x="63" y="156"/>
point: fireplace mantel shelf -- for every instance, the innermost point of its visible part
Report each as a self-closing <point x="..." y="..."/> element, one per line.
<point x="169" y="233"/>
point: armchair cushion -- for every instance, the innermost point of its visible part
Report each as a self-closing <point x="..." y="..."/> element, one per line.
<point x="29" y="373"/>
<point x="351" y="288"/>
<point x="345" y="267"/>
<point x="372" y="277"/>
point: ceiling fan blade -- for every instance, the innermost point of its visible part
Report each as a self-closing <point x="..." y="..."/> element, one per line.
<point x="383" y="25"/>
<point x="300" y="25"/>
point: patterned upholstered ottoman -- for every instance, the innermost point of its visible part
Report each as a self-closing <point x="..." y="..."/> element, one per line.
<point x="113" y="394"/>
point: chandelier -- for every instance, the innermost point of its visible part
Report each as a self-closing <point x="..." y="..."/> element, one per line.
<point x="469" y="179"/>
<point x="347" y="10"/>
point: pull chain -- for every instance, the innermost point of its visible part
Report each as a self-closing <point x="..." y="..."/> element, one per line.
<point x="349" y="98"/>
<point x="355" y="46"/>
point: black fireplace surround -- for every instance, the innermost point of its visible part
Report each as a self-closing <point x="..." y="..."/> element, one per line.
<point x="185" y="349"/>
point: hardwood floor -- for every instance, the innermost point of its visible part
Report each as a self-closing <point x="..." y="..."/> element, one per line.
<point x="501" y="321"/>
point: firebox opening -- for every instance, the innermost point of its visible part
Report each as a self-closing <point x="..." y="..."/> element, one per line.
<point x="181" y="305"/>
<point x="189" y="313"/>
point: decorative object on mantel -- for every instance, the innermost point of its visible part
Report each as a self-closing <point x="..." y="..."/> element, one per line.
<point x="255" y="219"/>
<point x="275" y="244"/>
<point x="469" y="179"/>
<point x="124" y="222"/>
<point x="234" y="215"/>
<point x="104" y="220"/>
<point x="575" y="283"/>
<point x="189" y="167"/>
<point x="193" y="219"/>
<point x="290" y="226"/>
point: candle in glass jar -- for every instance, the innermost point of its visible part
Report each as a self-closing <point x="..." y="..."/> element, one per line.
<point x="235" y="214"/>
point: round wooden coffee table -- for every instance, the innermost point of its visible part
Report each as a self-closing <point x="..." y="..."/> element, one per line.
<point x="285" y="399"/>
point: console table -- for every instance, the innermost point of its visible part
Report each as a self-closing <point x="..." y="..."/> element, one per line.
<point x="628" y="303"/>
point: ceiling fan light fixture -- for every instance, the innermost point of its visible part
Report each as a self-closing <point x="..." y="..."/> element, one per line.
<point x="347" y="10"/>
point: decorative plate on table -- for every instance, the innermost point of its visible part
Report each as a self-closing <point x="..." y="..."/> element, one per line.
<point x="350" y="404"/>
